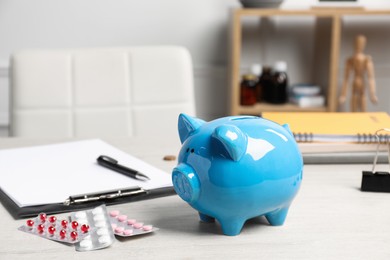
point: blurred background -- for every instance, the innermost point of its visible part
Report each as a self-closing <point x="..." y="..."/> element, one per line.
<point x="203" y="27"/>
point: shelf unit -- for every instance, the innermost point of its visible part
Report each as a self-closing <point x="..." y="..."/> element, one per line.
<point x="335" y="15"/>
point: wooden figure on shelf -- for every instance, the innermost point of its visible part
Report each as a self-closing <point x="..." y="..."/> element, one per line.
<point x="360" y="64"/>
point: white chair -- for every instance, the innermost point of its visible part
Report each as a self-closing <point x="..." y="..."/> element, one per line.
<point x="135" y="91"/>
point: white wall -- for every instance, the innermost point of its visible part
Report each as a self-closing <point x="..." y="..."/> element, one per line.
<point x="202" y="26"/>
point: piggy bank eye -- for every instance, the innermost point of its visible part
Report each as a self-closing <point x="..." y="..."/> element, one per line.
<point x="188" y="150"/>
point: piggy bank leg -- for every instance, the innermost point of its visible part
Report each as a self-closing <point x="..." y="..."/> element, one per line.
<point x="205" y="218"/>
<point x="231" y="227"/>
<point x="277" y="217"/>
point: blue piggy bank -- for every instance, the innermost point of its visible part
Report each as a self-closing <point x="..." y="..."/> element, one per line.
<point x="236" y="168"/>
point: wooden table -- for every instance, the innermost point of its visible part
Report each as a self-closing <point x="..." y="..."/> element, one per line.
<point x="330" y="219"/>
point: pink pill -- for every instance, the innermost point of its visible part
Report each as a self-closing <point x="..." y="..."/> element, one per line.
<point x="113" y="225"/>
<point x="131" y="221"/>
<point x="114" y="213"/>
<point x="138" y="225"/>
<point x="128" y="232"/>
<point x="122" y="218"/>
<point x="119" y="230"/>
<point x="147" y="228"/>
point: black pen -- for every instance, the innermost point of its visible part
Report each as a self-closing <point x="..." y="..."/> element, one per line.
<point x="104" y="195"/>
<point x="112" y="164"/>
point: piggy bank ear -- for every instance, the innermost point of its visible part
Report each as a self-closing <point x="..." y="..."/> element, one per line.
<point x="187" y="125"/>
<point x="287" y="127"/>
<point x="233" y="140"/>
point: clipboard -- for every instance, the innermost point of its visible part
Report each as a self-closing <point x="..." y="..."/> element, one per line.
<point x="41" y="178"/>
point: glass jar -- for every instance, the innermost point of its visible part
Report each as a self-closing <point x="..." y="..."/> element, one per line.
<point x="248" y="90"/>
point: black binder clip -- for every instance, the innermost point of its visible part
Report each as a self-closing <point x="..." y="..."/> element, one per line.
<point x="377" y="181"/>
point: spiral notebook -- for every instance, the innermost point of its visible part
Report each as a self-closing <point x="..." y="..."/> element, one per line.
<point x="334" y="127"/>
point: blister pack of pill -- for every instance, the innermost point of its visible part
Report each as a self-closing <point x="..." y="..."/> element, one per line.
<point x="101" y="235"/>
<point x="88" y="230"/>
<point x="54" y="229"/>
<point x="124" y="226"/>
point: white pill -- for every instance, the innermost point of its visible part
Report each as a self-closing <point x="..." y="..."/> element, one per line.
<point x="82" y="221"/>
<point x="99" y="217"/>
<point x="86" y="243"/>
<point x="97" y="211"/>
<point x="102" y="231"/>
<point x="81" y="214"/>
<point x="104" y="239"/>
<point x="100" y="224"/>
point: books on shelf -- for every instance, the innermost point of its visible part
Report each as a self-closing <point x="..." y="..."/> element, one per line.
<point x="338" y="4"/>
<point x="306" y="96"/>
<point x="308" y="101"/>
<point x="334" y="126"/>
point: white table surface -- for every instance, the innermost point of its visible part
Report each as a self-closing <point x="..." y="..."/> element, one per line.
<point x="329" y="219"/>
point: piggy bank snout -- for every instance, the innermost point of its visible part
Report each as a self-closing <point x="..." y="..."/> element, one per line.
<point x="186" y="182"/>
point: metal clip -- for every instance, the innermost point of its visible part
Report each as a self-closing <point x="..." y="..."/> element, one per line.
<point x="377" y="147"/>
<point x="377" y="181"/>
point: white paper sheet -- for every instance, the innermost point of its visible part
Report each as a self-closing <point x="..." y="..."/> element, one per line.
<point x="51" y="173"/>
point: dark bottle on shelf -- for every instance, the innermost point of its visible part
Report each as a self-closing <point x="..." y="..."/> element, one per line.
<point x="248" y="90"/>
<point x="265" y="84"/>
<point x="277" y="93"/>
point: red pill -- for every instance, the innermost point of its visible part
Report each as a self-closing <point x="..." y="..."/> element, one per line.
<point x="73" y="235"/>
<point x="84" y="228"/>
<point x="75" y="224"/>
<point x="40" y="228"/>
<point x="64" y="223"/>
<point x="42" y="217"/>
<point x="62" y="233"/>
<point x="30" y="223"/>
<point x="52" y="219"/>
<point x="51" y="230"/>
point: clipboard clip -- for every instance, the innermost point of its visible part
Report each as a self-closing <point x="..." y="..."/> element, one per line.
<point x="105" y="195"/>
<point x="377" y="181"/>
